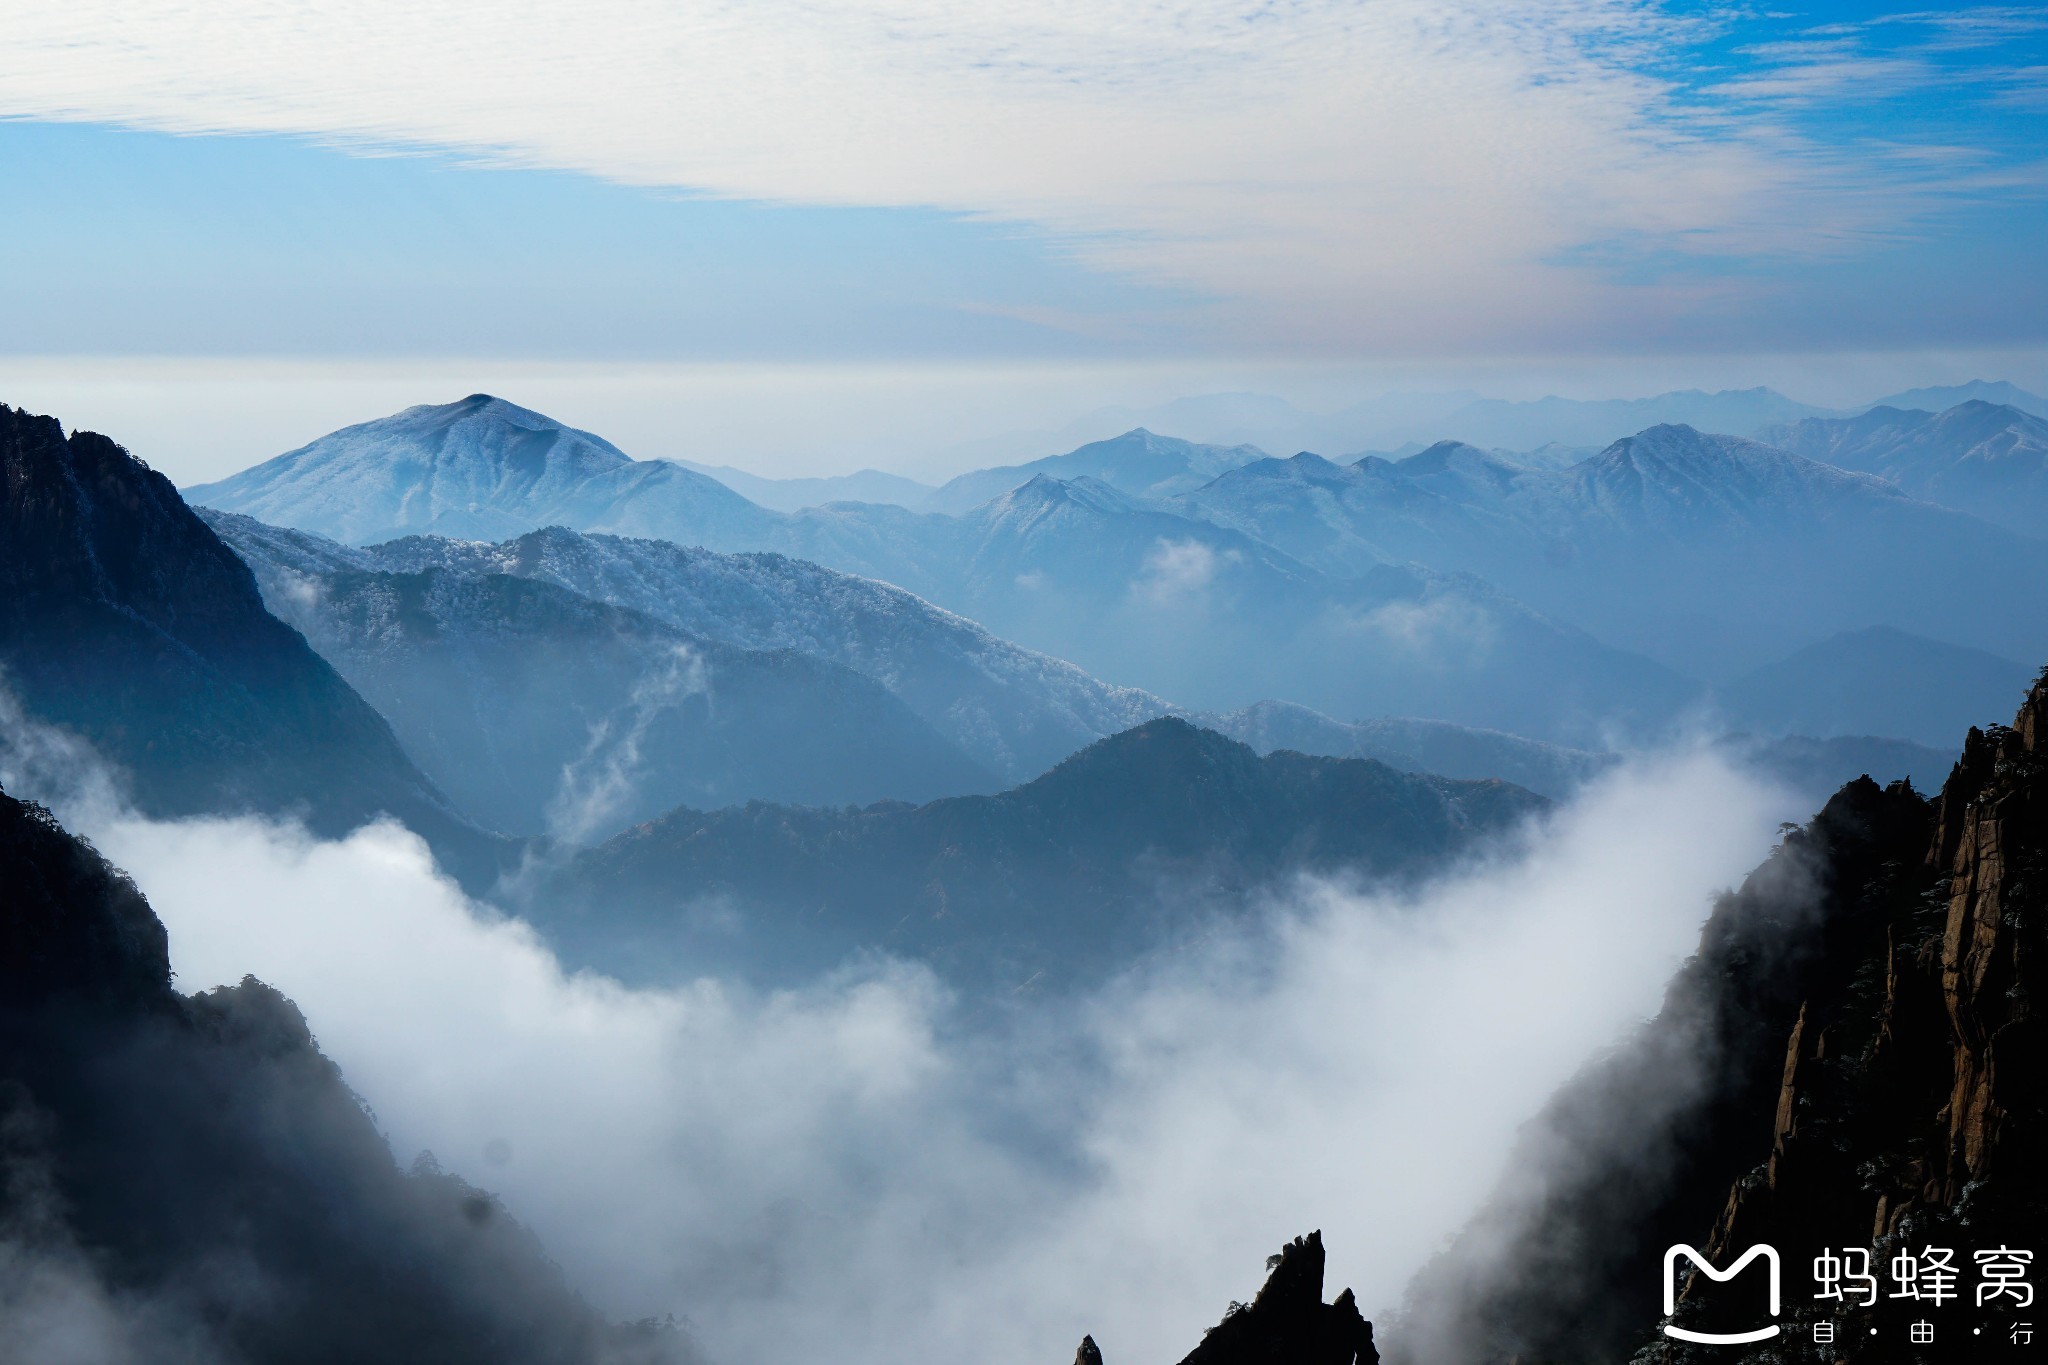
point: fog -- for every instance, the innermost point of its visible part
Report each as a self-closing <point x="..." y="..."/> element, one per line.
<point x="851" y="1171"/>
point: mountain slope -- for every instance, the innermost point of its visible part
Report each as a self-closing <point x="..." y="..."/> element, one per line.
<point x="1709" y="553"/>
<point x="188" y="1178"/>
<point x="539" y="710"/>
<point x="477" y="468"/>
<point x="1853" y="1060"/>
<point x="1988" y="460"/>
<point x="1012" y="711"/>
<point x="1213" y="616"/>
<point x="1125" y="847"/>
<point x="124" y="619"/>
<point x="1875" y="682"/>
<point x="1137" y="463"/>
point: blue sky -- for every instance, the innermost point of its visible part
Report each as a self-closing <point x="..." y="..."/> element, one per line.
<point x="1830" y="176"/>
<point x="1120" y="183"/>
<point x="128" y="241"/>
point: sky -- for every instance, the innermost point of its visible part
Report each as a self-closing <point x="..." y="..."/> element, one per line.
<point x="1047" y="205"/>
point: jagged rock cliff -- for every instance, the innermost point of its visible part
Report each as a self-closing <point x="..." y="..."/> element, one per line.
<point x="125" y="620"/>
<point x="1287" y="1324"/>
<point x="187" y="1179"/>
<point x="1853" y="1061"/>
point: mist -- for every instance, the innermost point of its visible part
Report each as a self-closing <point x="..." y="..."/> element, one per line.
<point x="856" y="1171"/>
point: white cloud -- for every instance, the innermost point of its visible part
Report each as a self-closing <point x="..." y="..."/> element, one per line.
<point x="1334" y="171"/>
<point x="1177" y="570"/>
<point x="850" y="1172"/>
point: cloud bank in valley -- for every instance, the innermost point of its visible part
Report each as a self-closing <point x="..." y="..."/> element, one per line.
<point x="850" y="1171"/>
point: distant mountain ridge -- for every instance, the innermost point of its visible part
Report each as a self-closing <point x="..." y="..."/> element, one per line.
<point x="1128" y="846"/>
<point x="1876" y="681"/>
<point x="1013" y="711"/>
<point x="539" y="710"/>
<point x="1371" y="588"/>
<point x="1131" y="588"/>
<point x="1138" y="463"/>
<point x="1711" y="553"/>
<point x="1943" y="397"/>
<point x="1982" y="458"/>
<point x="794" y="494"/>
<point x="1419" y="419"/>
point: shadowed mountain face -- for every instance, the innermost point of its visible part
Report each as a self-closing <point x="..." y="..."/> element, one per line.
<point x="1136" y="843"/>
<point x="1011" y="711"/>
<point x="1855" y="1059"/>
<point x="125" y="620"/>
<point x="539" y="710"/>
<point x="1708" y="553"/>
<point x="1137" y="463"/>
<point x="1876" y="681"/>
<point x="1986" y="459"/>
<point x="189" y="1180"/>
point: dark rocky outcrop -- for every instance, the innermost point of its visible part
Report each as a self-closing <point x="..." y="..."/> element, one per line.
<point x="188" y="1179"/>
<point x="1854" y="1059"/>
<point x="1287" y="1324"/>
<point x="127" y="621"/>
<point x="1137" y="841"/>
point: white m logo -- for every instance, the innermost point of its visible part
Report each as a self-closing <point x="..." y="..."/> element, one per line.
<point x="1671" y="1255"/>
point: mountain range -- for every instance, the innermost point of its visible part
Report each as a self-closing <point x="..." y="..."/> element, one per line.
<point x="541" y="711"/>
<point x="1357" y="589"/>
<point x="1417" y="419"/>
<point x="1709" y="553"/>
<point x="1012" y="712"/>
<point x="1131" y="846"/>
<point x="1987" y="459"/>
<point x="1133" y="590"/>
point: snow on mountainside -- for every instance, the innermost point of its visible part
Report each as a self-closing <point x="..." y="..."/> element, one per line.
<point x="1014" y="711"/>
<point x="1710" y="553"/>
<point x="1982" y="458"/>
<point x="1138" y="462"/>
<point x="481" y="467"/>
<point x="539" y="710"/>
